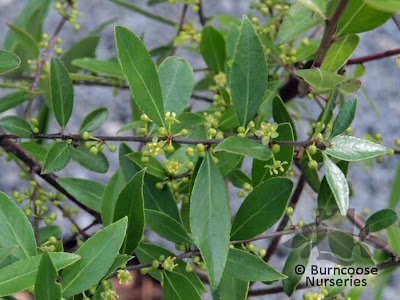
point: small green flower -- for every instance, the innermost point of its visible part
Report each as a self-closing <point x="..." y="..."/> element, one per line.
<point x="124" y="276"/>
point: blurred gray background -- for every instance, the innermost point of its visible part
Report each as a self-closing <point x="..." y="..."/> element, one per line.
<point x="381" y="83"/>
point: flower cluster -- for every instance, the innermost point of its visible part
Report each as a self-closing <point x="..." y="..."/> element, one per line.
<point x="172" y="167"/>
<point x="124" y="276"/>
<point x="267" y="132"/>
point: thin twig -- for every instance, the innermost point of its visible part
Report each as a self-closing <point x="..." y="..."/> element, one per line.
<point x="202" y="17"/>
<point x="181" y="22"/>
<point x="371" y="57"/>
<point x="396" y="21"/>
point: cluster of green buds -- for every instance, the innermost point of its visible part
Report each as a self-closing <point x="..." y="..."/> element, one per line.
<point x="44" y="43"/>
<point x="246" y="187"/>
<point x="319" y="296"/>
<point x="161" y="263"/>
<point x="289" y="214"/>
<point x="188" y="33"/>
<point x="311" y="150"/>
<point x="109" y="292"/>
<point x="34" y="125"/>
<point x="50" y="244"/>
<point x="251" y="248"/>
<point x="124" y="276"/>
<point x="194" y="4"/>
<point x="70" y="12"/>
<point x="287" y="55"/>
<point x="201" y="264"/>
<point x="267" y="132"/>
<point x="243" y="131"/>
<point x="95" y="144"/>
<point x="172" y="167"/>
<point x="220" y="79"/>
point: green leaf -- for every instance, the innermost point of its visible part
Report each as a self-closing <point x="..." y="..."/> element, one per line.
<point x="46" y="286"/>
<point x="262" y="208"/>
<point x="350" y="148"/>
<point x="166" y="227"/>
<point x="96" y="163"/>
<point x="27" y="42"/>
<point x="339" y="52"/>
<point x="327" y="206"/>
<point x="359" y="17"/>
<point x="110" y="196"/>
<point x="227" y="162"/>
<point x="47" y="231"/>
<point x="141" y="74"/>
<point x="13" y="99"/>
<point x="390" y="6"/>
<point x="298" y="20"/>
<point x="348" y="251"/>
<point x="85" y="47"/>
<point x="39" y="152"/>
<point x="130" y="203"/>
<point x="320" y="79"/>
<point x="130" y="126"/>
<point x="17" y="126"/>
<point x="248" y="78"/>
<point x="210" y="219"/>
<point x="238" y="178"/>
<point x="15" y="229"/>
<point x="244" y="146"/>
<point x="94" y="119"/>
<point x="318" y="7"/>
<point x="153" y="166"/>
<point x="228" y="120"/>
<point x="120" y="260"/>
<point x="98" y="66"/>
<point x="212" y="48"/>
<point x="310" y="175"/>
<point x="248" y="267"/>
<point x="231" y="288"/>
<point x="21" y="275"/>
<point x="393" y="236"/>
<point x="87" y="192"/>
<point x="5" y="253"/>
<point x="300" y="255"/>
<point x="57" y="157"/>
<point x="146" y="253"/>
<point x="176" y="81"/>
<point x="177" y="286"/>
<point x="395" y="191"/>
<point x="282" y="115"/>
<point x="380" y="220"/>
<point x="97" y="256"/>
<point x="344" y="118"/>
<point x="231" y="40"/>
<point x="62" y="93"/>
<point x="8" y="61"/>
<point x="338" y="184"/>
<point x="259" y="172"/>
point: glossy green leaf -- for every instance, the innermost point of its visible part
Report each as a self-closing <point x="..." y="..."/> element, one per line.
<point x="166" y="227"/>
<point x="176" y="81"/>
<point x="360" y="17"/>
<point x="8" y="61"/>
<point x="227" y="162"/>
<point x="228" y="120"/>
<point x="13" y="99"/>
<point x="146" y="253"/>
<point x="97" y="256"/>
<point x="87" y="192"/>
<point x="17" y="126"/>
<point x="130" y="126"/>
<point x="239" y="178"/>
<point x="120" y="260"/>
<point x="380" y="220"/>
<point x="21" y="275"/>
<point x="62" y="93"/>
<point x="130" y="203"/>
<point x="282" y="115"/>
<point x="262" y="208"/>
<point x="28" y="43"/>
<point x="15" y="229"/>
<point x="248" y="78"/>
<point x="98" y="66"/>
<point x="231" y="40"/>
<point x="85" y="47"/>
<point x="259" y="172"/>
<point x="318" y="7"/>
<point x="5" y="253"/>
<point x="339" y="52"/>
<point x="94" y="119"/>
<point x="153" y="166"/>
<point x="338" y="184"/>
<point x="320" y="79"/>
<point x="394" y="197"/>
<point x="350" y="148"/>
<point x="349" y="251"/>
<point x="96" y="163"/>
<point x="39" y="152"/>
<point x="344" y="118"/>
<point x="177" y="286"/>
<point x="57" y="157"/>
<point x="390" y="6"/>
<point x="110" y="196"/>
<point x="210" y="219"/>
<point x="244" y="146"/>
<point x="327" y="205"/>
<point x="139" y="70"/>
<point x="248" y="267"/>
<point x="46" y="287"/>
<point x="300" y="255"/>
<point x="393" y="236"/>
<point x="298" y="20"/>
<point x="231" y="288"/>
<point x="47" y="231"/>
<point x="212" y="48"/>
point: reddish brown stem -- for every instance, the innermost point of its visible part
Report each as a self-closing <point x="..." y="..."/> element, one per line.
<point x="371" y="57"/>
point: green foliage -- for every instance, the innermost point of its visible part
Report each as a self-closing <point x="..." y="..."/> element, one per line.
<point x="8" y="61"/>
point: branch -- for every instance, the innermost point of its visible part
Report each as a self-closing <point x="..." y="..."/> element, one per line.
<point x="181" y="22"/>
<point x="375" y="56"/>
<point x="202" y="17"/>
<point x="330" y="29"/>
